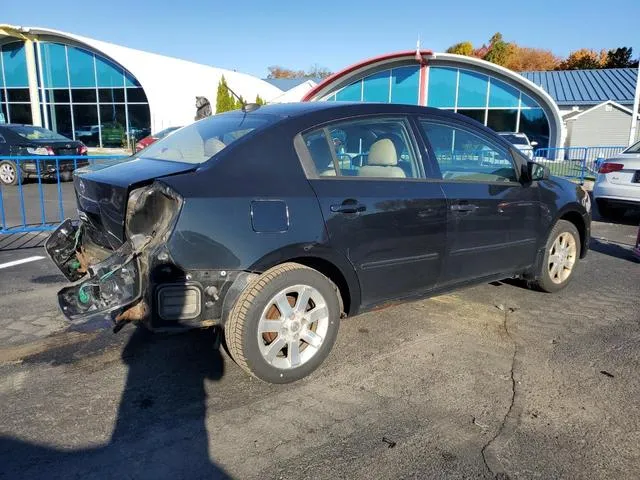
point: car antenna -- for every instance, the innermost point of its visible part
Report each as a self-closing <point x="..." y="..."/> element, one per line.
<point x="246" y="107"/>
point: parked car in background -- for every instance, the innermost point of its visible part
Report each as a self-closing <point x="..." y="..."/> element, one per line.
<point x="259" y="221"/>
<point x="520" y="141"/>
<point x="87" y="131"/>
<point x="617" y="186"/>
<point x="27" y="140"/>
<point x="145" y="142"/>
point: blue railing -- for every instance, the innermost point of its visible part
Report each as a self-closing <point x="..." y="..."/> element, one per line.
<point x="576" y="163"/>
<point x="36" y="203"/>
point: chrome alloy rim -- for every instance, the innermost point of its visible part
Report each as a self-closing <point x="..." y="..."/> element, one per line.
<point x="293" y="326"/>
<point x="562" y="257"/>
<point x="7" y="173"/>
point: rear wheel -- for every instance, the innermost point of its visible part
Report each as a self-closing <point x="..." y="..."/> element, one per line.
<point x="283" y="326"/>
<point x="560" y="258"/>
<point x="9" y="173"/>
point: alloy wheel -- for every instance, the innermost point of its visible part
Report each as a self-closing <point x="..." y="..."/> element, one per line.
<point x="562" y="257"/>
<point x="293" y="326"/>
<point x="7" y="173"/>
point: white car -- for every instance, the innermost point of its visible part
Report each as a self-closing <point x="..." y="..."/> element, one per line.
<point x="617" y="186"/>
<point x="520" y="141"/>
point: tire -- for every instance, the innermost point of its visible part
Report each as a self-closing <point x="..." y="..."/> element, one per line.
<point x="607" y="211"/>
<point x="551" y="277"/>
<point x="9" y="173"/>
<point x="309" y="331"/>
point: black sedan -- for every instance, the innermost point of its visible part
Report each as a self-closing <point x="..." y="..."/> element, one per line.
<point x="30" y="141"/>
<point x="277" y="222"/>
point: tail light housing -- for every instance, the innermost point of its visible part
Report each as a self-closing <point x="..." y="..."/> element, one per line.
<point x="608" y="167"/>
<point x="40" y="151"/>
<point x="82" y="150"/>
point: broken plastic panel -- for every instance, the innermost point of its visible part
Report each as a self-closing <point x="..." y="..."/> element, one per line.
<point x="114" y="284"/>
<point x="62" y="246"/>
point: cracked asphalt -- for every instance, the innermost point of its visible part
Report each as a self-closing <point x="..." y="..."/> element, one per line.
<point x="494" y="381"/>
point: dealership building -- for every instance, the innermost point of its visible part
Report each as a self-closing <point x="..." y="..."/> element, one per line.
<point x="100" y="93"/>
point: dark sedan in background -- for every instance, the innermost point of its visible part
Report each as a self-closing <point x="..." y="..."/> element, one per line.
<point x="276" y="222"/>
<point x="146" y="141"/>
<point x="29" y="141"/>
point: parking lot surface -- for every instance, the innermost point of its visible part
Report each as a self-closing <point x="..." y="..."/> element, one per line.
<point x="495" y="381"/>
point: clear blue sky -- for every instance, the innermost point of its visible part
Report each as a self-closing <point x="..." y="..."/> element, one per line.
<point x="248" y="36"/>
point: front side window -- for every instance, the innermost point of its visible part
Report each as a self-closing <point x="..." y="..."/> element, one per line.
<point x="374" y="148"/>
<point x="466" y="155"/>
<point x="200" y="141"/>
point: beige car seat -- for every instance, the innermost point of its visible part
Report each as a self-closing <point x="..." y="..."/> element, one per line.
<point x="382" y="161"/>
<point x="213" y="146"/>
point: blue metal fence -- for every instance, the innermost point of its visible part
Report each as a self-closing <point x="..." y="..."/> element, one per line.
<point x="36" y="202"/>
<point x="575" y="163"/>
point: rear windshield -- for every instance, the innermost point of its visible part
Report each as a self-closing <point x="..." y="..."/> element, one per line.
<point x="36" y="133"/>
<point x="635" y="148"/>
<point x="200" y="141"/>
<point x="515" y="139"/>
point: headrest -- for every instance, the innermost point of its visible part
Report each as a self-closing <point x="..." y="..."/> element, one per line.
<point x="213" y="146"/>
<point x="383" y="153"/>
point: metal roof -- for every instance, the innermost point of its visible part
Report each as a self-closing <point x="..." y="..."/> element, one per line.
<point x="587" y="87"/>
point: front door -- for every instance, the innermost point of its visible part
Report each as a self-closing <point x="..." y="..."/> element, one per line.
<point x="492" y="218"/>
<point x="379" y="209"/>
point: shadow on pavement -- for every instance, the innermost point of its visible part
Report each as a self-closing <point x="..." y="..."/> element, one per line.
<point x="160" y="430"/>
<point x="612" y="249"/>
<point x="18" y="241"/>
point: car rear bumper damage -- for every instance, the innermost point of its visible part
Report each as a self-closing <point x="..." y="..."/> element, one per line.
<point x="138" y="283"/>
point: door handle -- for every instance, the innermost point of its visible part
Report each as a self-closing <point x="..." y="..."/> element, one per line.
<point x="464" y="207"/>
<point x="349" y="206"/>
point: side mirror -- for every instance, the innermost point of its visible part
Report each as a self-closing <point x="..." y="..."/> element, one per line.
<point x="536" y="171"/>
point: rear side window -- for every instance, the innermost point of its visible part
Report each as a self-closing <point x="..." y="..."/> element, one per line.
<point x="466" y="155"/>
<point x="201" y="140"/>
<point x="370" y="148"/>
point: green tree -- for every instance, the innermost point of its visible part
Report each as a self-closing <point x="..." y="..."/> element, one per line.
<point x="225" y="101"/>
<point x="499" y="50"/>
<point x="462" y="48"/>
<point x="260" y="100"/>
<point x="620" y="58"/>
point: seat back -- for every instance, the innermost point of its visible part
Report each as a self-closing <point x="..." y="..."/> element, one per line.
<point x="382" y="161"/>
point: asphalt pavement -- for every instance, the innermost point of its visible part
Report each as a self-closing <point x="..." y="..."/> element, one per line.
<point x="495" y="381"/>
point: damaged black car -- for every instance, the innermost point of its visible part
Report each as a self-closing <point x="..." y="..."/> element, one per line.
<point x="275" y="222"/>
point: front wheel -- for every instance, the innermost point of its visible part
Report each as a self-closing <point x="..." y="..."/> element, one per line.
<point x="560" y="258"/>
<point x="284" y="324"/>
<point x="9" y="173"/>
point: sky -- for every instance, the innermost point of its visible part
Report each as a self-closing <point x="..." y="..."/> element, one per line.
<point x="248" y="36"/>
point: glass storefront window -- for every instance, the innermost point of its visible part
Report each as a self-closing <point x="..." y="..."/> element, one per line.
<point x="83" y="95"/>
<point x="376" y="87"/>
<point x="54" y="65"/>
<point x="81" y="68"/>
<point x="534" y="123"/>
<point x="502" y="95"/>
<point x="111" y="95"/>
<point x="502" y="120"/>
<point x="15" y="65"/>
<point x="20" y="113"/>
<point x="109" y="75"/>
<point x="86" y="127"/>
<point x="442" y="87"/>
<point x="137" y="95"/>
<point x="139" y="121"/>
<point x="113" y="123"/>
<point x="476" y="114"/>
<point x="18" y="95"/>
<point x="472" y="90"/>
<point x="404" y="85"/>
<point x="351" y="93"/>
<point x="60" y="120"/>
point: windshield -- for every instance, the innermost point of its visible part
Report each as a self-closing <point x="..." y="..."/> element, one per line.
<point x="635" y="148"/>
<point x="36" y="133"/>
<point x="200" y="141"/>
<point x="515" y="139"/>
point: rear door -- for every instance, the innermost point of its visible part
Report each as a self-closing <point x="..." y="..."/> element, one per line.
<point x="493" y="219"/>
<point x="379" y="209"/>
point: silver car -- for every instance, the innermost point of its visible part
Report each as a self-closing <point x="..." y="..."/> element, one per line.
<point x="617" y="186"/>
<point x="520" y="141"/>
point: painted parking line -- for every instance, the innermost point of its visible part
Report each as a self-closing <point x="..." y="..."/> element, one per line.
<point x="21" y="261"/>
